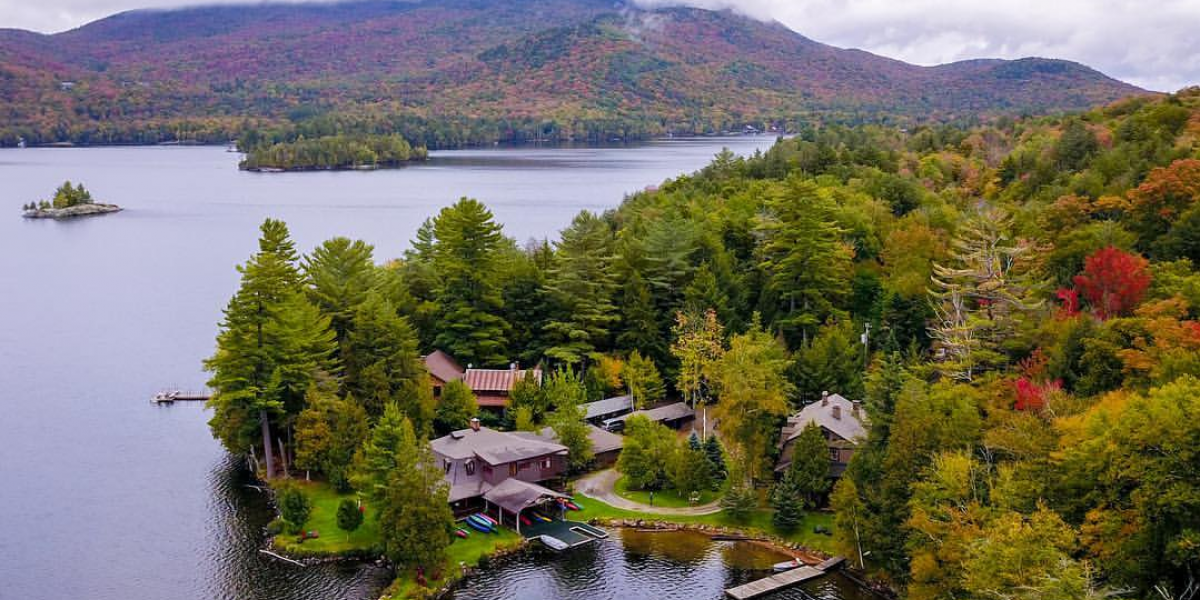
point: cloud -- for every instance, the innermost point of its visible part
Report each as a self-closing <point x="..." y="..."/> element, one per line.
<point x="1154" y="45"/>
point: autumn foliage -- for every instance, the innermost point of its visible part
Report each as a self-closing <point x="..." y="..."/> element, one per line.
<point x="1113" y="282"/>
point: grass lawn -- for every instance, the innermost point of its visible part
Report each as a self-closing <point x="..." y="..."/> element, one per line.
<point x="463" y="551"/>
<point x="759" y="521"/>
<point x="663" y="498"/>
<point x="323" y="519"/>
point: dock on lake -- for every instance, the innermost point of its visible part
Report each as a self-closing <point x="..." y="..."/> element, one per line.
<point x="169" y="396"/>
<point x="783" y="580"/>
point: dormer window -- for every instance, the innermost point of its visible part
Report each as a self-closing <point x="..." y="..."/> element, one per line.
<point x="470" y="467"/>
<point x="446" y="464"/>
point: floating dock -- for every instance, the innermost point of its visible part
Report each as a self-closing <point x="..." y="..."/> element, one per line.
<point x="774" y="583"/>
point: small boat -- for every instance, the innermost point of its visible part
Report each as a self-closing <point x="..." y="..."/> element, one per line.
<point x="487" y="518"/>
<point x="462" y="533"/>
<point x="477" y="527"/>
<point x="484" y="523"/>
<point x="577" y="505"/>
<point x="541" y="517"/>
<point x="525" y="520"/>
<point x="786" y="565"/>
<point x="571" y="505"/>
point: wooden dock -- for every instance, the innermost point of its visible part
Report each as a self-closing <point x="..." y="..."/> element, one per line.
<point x="170" y="396"/>
<point x="774" y="583"/>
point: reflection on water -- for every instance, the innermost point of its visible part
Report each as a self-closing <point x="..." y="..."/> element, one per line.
<point x="631" y="565"/>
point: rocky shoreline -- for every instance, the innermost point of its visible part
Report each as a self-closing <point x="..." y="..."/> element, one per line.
<point x="79" y="210"/>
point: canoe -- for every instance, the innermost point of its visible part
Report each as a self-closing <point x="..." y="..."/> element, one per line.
<point x="484" y="523"/>
<point x="478" y="527"/>
<point x="786" y="565"/>
<point x="487" y="518"/>
<point x="462" y="533"/>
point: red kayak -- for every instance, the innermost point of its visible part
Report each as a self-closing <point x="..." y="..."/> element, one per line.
<point x="460" y="533"/>
<point x="525" y="520"/>
<point x="571" y="505"/>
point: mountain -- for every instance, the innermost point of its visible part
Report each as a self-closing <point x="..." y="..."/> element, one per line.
<point x="499" y="68"/>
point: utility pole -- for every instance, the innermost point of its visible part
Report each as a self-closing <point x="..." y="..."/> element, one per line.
<point x="865" y="338"/>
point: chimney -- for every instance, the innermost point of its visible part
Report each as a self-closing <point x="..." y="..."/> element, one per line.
<point x="857" y="406"/>
<point x="514" y="366"/>
<point x="837" y="412"/>
<point x="474" y="424"/>
<point x="824" y="398"/>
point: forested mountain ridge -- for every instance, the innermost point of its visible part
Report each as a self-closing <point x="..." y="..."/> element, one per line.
<point x="491" y="69"/>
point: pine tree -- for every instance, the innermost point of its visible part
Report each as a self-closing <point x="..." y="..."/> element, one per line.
<point x="466" y="258"/>
<point x="270" y="347"/>
<point x="581" y="284"/>
<point x="349" y="517"/>
<point x="716" y="457"/>
<point x="705" y="292"/>
<point x="375" y="461"/>
<point x="328" y="432"/>
<point x="788" y="503"/>
<point x="380" y="353"/>
<point x="740" y="500"/>
<point x="979" y="298"/>
<point x="808" y="263"/>
<point x="455" y="407"/>
<point x="640" y="327"/>
<point x="831" y="361"/>
<point x="339" y="274"/>
<point x="808" y="474"/>
<point x="414" y="509"/>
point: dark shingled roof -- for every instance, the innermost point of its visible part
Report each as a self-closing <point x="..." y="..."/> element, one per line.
<point x="602" y="441"/>
<point x="669" y="412"/>
<point x="608" y="406"/>
<point x="493" y="447"/>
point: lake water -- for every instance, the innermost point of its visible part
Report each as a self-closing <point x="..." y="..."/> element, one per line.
<point x="106" y="497"/>
<point x="634" y="564"/>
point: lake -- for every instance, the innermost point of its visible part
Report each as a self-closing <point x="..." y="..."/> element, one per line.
<point x="106" y="497"/>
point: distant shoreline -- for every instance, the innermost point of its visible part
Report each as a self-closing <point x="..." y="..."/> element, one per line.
<point x="72" y="212"/>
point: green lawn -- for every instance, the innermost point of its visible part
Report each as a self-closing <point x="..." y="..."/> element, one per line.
<point x="463" y="551"/>
<point x="759" y="521"/>
<point x="664" y="498"/>
<point x="323" y="519"/>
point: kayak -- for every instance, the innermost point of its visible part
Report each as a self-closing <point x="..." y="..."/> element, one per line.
<point x="481" y="522"/>
<point x="571" y="505"/>
<point x="541" y="517"/>
<point x="478" y="527"/>
<point x="525" y="520"/>
<point x="462" y="533"/>
<point x="487" y="518"/>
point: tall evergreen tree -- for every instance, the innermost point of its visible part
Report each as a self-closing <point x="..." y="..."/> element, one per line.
<point x="391" y="437"/>
<point x="640" y="328"/>
<point x="381" y="355"/>
<point x="581" y="284"/>
<point x="340" y="273"/>
<point x="802" y="250"/>
<point x="271" y="345"/>
<point x="466" y="258"/>
<point x="808" y="475"/>
<point x="414" y="509"/>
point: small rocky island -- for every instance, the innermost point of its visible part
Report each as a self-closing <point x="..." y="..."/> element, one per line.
<point x="69" y="201"/>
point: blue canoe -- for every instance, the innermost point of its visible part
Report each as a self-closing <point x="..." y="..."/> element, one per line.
<point x="484" y="524"/>
<point x="478" y="527"/>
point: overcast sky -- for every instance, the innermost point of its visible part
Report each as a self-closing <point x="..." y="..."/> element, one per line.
<point x="1151" y="43"/>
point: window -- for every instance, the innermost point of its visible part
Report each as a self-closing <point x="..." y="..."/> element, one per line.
<point x="833" y="455"/>
<point x="512" y="468"/>
<point x="470" y="467"/>
<point x="546" y="463"/>
<point x="446" y="464"/>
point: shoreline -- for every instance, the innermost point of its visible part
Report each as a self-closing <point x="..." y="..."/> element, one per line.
<point x="72" y="212"/>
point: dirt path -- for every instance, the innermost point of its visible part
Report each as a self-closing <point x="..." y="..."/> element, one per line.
<point x="601" y="485"/>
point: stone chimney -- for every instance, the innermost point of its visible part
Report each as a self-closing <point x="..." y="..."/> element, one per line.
<point x="824" y="398"/>
<point x="857" y="406"/>
<point x="837" y="412"/>
<point x="474" y="424"/>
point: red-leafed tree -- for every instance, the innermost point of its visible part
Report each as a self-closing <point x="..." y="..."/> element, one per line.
<point x="1113" y="281"/>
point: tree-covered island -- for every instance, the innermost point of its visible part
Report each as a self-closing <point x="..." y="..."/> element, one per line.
<point x="69" y="201"/>
<point x="332" y="153"/>
<point x="1006" y="320"/>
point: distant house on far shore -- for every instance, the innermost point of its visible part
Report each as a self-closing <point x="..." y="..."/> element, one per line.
<point x="491" y="386"/>
<point x="843" y="423"/>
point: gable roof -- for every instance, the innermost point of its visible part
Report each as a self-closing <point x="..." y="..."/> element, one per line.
<point x="850" y="424"/>
<point x="443" y="366"/>
<point x="493" y="447"/>
<point x="497" y="380"/>
<point x="608" y="406"/>
<point x="602" y="441"/>
<point x="515" y="495"/>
